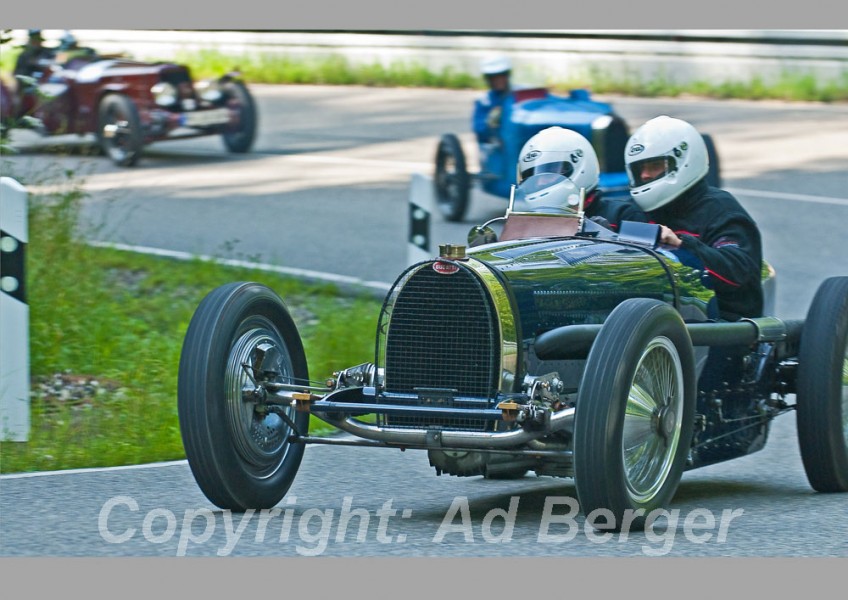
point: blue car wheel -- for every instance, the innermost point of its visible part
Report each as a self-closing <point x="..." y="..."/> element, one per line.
<point x="452" y="182"/>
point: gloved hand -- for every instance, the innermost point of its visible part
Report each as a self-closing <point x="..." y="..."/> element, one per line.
<point x="600" y="221"/>
<point x="493" y="120"/>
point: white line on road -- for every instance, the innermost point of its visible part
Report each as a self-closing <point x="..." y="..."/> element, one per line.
<point x="785" y="196"/>
<point x="330" y="277"/>
<point x="155" y="465"/>
<point x="371" y="162"/>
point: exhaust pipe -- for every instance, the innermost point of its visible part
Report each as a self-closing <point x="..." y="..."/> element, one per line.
<point x="436" y="438"/>
<point x="575" y="341"/>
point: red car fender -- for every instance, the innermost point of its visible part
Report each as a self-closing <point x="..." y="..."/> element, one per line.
<point x="89" y="113"/>
<point x="5" y="102"/>
<point x="8" y="102"/>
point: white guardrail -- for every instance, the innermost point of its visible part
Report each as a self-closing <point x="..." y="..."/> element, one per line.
<point x="538" y="56"/>
<point x="14" y="313"/>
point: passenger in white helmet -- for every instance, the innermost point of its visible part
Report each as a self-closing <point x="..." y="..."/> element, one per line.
<point x="667" y="163"/>
<point x="69" y="49"/>
<point x="561" y="162"/>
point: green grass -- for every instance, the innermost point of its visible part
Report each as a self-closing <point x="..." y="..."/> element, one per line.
<point x="329" y="70"/>
<point x="790" y="85"/>
<point x="119" y="318"/>
<point x="337" y="70"/>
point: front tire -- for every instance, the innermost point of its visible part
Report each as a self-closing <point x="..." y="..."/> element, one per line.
<point x="635" y="412"/>
<point x="240" y="138"/>
<point x="119" y="130"/>
<point x="452" y="182"/>
<point x="239" y="453"/>
<point x="822" y="391"/>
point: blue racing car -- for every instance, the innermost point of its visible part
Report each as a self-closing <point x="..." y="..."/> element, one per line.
<point x="525" y="113"/>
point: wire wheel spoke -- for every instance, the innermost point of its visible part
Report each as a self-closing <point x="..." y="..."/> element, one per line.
<point x="652" y="419"/>
<point x="639" y="416"/>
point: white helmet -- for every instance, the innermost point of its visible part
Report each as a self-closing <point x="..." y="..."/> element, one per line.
<point x="495" y="65"/>
<point x="563" y="151"/>
<point x="552" y="167"/>
<point x="68" y="41"/>
<point x="664" y="158"/>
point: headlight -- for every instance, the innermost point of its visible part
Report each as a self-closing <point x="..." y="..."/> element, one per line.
<point x="601" y="123"/>
<point x="164" y="94"/>
<point x="209" y="91"/>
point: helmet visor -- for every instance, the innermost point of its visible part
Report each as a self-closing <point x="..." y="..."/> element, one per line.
<point x="564" y="168"/>
<point x="642" y="172"/>
<point x="547" y="192"/>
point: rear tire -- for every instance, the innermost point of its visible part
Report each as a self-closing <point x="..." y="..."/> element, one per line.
<point x="240" y="138"/>
<point x="240" y="454"/>
<point x="822" y="391"/>
<point x="635" y="412"/>
<point x="452" y="182"/>
<point x="119" y="130"/>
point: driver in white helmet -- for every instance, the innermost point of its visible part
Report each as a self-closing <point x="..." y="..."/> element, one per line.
<point x="561" y="162"/>
<point x="667" y="163"/>
<point x="488" y="108"/>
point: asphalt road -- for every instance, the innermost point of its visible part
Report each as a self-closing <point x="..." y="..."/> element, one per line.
<point x="326" y="189"/>
<point x="376" y="502"/>
<point x="332" y="166"/>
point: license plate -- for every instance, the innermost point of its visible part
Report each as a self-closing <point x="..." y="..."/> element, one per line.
<point x="205" y="118"/>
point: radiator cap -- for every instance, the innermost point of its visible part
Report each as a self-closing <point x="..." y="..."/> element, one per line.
<point x="452" y="251"/>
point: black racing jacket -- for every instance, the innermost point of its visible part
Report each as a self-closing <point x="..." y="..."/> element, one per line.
<point x="28" y="60"/>
<point x="713" y="226"/>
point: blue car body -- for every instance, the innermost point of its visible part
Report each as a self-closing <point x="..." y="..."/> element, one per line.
<point x="526" y="112"/>
<point x="523" y="113"/>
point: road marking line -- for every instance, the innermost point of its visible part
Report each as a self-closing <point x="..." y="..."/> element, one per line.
<point x="785" y="196"/>
<point x="331" y="277"/>
<point x="155" y="465"/>
<point x="351" y="160"/>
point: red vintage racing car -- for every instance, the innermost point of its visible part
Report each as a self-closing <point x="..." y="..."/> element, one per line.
<point x="128" y="104"/>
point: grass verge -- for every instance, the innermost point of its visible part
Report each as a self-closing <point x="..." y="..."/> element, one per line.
<point x="106" y="331"/>
<point x="337" y="70"/>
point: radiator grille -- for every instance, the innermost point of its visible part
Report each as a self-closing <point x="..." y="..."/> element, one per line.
<point x="443" y="333"/>
<point x="175" y="76"/>
<point x="181" y="80"/>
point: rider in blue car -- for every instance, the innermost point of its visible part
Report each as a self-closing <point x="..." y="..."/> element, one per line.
<point x="666" y="161"/>
<point x="488" y="108"/>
